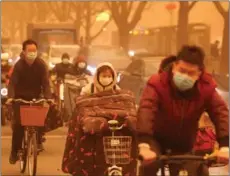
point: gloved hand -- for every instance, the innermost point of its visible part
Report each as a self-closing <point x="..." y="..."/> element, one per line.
<point x="223" y="155"/>
<point x="51" y="101"/>
<point x="148" y="155"/>
<point x="9" y="101"/>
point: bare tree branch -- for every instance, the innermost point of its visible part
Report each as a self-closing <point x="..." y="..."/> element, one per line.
<point x="219" y="8"/>
<point x="101" y="30"/>
<point x="137" y="14"/>
<point x="54" y="8"/>
<point x="93" y="22"/>
<point x="69" y="9"/>
<point x="130" y="6"/>
<point x="124" y="9"/>
<point x="192" y="5"/>
<point x="113" y="7"/>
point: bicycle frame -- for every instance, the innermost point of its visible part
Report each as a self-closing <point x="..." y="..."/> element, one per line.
<point x="29" y="142"/>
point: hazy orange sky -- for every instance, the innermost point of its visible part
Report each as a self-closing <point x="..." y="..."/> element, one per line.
<point x="204" y="12"/>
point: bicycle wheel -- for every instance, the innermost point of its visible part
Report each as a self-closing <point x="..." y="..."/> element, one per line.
<point x="32" y="155"/>
<point x="23" y="154"/>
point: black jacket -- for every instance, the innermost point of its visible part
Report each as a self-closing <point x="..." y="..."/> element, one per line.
<point x="28" y="82"/>
<point x="77" y="71"/>
<point x="62" y="69"/>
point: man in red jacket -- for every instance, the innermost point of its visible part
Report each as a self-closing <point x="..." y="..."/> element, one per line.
<point x="170" y="108"/>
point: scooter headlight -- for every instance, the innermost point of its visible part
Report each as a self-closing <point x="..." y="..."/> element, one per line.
<point x="131" y="53"/>
<point x="4" y="92"/>
<point x="51" y="65"/>
<point x="92" y="69"/>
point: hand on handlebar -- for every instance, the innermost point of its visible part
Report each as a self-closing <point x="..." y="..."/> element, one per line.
<point x="9" y="101"/>
<point x="147" y="155"/>
<point x="222" y="155"/>
<point x="51" y="101"/>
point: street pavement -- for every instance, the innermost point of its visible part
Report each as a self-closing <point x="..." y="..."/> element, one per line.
<point x="49" y="161"/>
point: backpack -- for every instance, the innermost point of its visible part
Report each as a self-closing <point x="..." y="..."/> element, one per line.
<point x="92" y="88"/>
<point x="205" y="140"/>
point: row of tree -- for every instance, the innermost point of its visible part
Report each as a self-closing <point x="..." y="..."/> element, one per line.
<point x="182" y="33"/>
<point x="126" y="15"/>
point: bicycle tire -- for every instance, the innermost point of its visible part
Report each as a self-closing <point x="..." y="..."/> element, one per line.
<point x="24" y="159"/>
<point x="32" y="152"/>
<point x="3" y="116"/>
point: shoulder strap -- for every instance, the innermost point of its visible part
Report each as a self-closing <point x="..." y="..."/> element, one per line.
<point x="92" y="88"/>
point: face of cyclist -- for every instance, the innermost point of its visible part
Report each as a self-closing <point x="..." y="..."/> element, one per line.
<point x="185" y="75"/>
<point x="30" y="53"/>
<point x="106" y="77"/>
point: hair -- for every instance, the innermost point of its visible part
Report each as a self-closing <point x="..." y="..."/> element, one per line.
<point x="28" y="42"/>
<point x="192" y="54"/>
<point x="167" y="63"/>
<point x="65" y="55"/>
<point x="103" y="69"/>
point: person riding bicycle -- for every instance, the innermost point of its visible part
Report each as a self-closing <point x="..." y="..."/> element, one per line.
<point x="29" y="81"/>
<point x="171" y="106"/>
<point x="64" y="67"/>
<point x="105" y="79"/>
<point x="80" y="66"/>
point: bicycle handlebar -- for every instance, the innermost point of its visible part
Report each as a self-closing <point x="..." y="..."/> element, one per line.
<point x="183" y="158"/>
<point x="34" y="101"/>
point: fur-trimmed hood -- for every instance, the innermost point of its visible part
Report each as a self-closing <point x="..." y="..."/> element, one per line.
<point x="96" y="76"/>
<point x="97" y="86"/>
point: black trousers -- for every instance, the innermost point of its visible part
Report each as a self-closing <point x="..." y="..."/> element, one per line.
<point x="18" y="130"/>
<point x="194" y="168"/>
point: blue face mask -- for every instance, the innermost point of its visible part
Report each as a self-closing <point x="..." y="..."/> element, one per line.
<point x="32" y="55"/>
<point x="183" y="82"/>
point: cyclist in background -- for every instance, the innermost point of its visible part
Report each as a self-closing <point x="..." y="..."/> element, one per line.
<point x="63" y="68"/>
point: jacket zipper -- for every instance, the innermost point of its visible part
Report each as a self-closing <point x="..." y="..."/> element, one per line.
<point x="182" y="118"/>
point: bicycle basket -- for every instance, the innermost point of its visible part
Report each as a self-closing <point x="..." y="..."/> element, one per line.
<point x="117" y="149"/>
<point x="33" y="115"/>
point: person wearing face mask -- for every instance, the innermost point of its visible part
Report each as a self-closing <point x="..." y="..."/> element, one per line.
<point x="63" y="68"/>
<point x="29" y="80"/>
<point x="105" y="79"/>
<point x="80" y="66"/>
<point x="171" y="106"/>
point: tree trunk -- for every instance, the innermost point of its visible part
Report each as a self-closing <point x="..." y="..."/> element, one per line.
<point x="224" y="50"/>
<point x="182" y="32"/>
<point x="124" y="38"/>
<point x="88" y="24"/>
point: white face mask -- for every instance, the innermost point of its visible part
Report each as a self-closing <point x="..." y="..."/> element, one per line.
<point x="105" y="81"/>
<point x="81" y="64"/>
<point x="32" y="55"/>
<point x="65" y="60"/>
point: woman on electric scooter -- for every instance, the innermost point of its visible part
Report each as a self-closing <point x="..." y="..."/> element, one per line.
<point x="100" y="102"/>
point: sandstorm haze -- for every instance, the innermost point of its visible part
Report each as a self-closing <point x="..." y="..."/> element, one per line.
<point x="97" y="22"/>
<point x="155" y="15"/>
